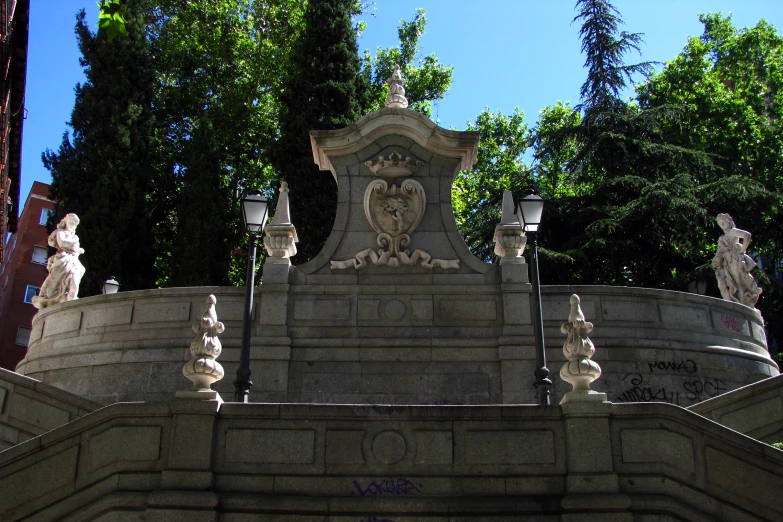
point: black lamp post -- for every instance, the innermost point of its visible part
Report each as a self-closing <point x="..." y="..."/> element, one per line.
<point x="255" y="209"/>
<point x="529" y="210"/>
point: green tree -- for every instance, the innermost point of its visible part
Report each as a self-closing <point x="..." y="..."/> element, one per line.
<point x="205" y="225"/>
<point x="219" y="60"/>
<point x="499" y="166"/>
<point x="730" y="82"/>
<point x="322" y="90"/>
<point x="101" y="172"/>
<point x="428" y="79"/>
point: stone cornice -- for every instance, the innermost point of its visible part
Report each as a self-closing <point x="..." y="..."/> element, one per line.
<point x="388" y="121"/>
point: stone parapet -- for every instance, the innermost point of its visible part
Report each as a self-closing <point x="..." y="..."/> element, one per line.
<point x="401" y="343"/>
<point x="29" y="408"/>
<point x="581" y="461"/>
<point x="755" y="410"/>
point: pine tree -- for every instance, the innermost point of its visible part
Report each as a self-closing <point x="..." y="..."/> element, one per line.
<point x="101" y="172"/>
<point x="322" y="90"/>
<point x="205" y="218"/>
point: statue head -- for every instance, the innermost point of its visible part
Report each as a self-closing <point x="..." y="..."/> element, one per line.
<point x="724" y="221"/>
<point x="71" y="220"/>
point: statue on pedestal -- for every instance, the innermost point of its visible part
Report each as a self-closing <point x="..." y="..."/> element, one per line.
<point x="733" y="265"/>
<point x="65" y="269"/>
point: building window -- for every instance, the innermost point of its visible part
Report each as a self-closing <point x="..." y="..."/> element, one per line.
<point x="22" y="335"/>
<point x="40" y="255"/>
<point x="30" y="292"/>
<point x="45" y="213"/>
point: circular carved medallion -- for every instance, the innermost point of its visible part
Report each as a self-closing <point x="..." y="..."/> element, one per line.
<point x="389" y="447"/>
<point x="394" y="310"/>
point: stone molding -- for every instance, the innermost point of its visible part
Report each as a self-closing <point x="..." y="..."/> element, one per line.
<point x="393" y="121"/>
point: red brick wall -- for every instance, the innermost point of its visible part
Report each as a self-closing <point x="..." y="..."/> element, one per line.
<point x="19" y="272"/>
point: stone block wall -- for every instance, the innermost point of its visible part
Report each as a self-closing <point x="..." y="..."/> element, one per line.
<point x="29" y="408"/>
<point x="203" y="461"/>
<point x="755" y="410"/>
<point x="401" y="344"/>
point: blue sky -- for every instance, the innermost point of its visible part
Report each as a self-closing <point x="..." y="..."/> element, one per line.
<point x="505" y="53"/>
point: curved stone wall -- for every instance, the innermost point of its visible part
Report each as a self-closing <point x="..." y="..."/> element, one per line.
<point x="652" y="345"/>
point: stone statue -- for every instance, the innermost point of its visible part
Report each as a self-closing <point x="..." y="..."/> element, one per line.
<point x="202" y="369"/>
<point x="65" y="269"/>
<point x="733" y="265"/>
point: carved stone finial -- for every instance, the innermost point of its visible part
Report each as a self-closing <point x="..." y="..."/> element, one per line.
<point x="733" y="265"/>
<point x="280" y="235"/>
<point x="396" y="96"/>
<point x="510" y="239"/>
<point x="202" y="368"/>
<point x="580" y="370"/>
<point x="65" y="269"/>
<point x="282" y="213"/>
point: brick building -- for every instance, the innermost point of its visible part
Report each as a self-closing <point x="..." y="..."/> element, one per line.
<point x="14" y="24"/>
<point x="22" y="274"/>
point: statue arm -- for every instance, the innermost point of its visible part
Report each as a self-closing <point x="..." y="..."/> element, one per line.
<point x="67" y="241"/>
<point x="744" y="235"/>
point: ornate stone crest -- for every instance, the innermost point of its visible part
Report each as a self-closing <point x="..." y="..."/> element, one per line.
<point x="394" y="213"/>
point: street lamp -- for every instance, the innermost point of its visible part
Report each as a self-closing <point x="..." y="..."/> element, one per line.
<point x="111" y="286"/>
<point x="529" y="210"/>
<point x="255" y="208"/>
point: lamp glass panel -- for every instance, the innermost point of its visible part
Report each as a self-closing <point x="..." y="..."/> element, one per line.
<point x="111" y="286"/>
<point x="531" y="207"/>
<point x="254" y="212"/>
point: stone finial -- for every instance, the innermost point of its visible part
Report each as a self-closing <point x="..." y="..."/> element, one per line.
<point x="202" y="368"/>
<point x="509" y="239"/>
<point x="733" y="265"/>
<point x="280" y="235"/>
<point x="580" y="370"/>
<point x="396" y="96"/>
<point x="282" y="214"/>
<point x="65" y="269"/>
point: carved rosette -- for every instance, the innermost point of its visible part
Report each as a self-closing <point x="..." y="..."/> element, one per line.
<point x="280" y="235"/>
<point x="202" y="369"/>
<point x="394" y="213"/>
<point x="580" y="370"/>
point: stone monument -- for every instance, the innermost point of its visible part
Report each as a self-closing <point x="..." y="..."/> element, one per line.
<point x="733" y="265"/>
<point x="65" y="269"/>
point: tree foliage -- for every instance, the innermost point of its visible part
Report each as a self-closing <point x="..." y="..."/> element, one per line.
<point x="499" y="166"/>
<point x="102" y="169"/>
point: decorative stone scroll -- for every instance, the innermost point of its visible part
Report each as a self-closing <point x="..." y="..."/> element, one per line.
<point x="280" y="235"/>
<point x="394" y="213"/>
<point x="510" y="239"/>
<point x="580" y="370"/>
<point x="65" y="269"/>
<point x="733" y="265"/>
<point x="202" y="368"/>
